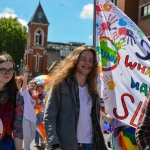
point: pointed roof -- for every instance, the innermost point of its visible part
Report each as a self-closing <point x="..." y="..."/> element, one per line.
<point x="39" y="16"/>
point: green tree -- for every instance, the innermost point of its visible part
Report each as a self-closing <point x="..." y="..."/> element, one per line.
<point x="13" y="38"/>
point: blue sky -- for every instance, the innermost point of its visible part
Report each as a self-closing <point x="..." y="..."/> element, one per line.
<point x="70" y="20"/>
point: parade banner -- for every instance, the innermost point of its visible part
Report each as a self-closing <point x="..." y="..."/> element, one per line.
<point x="124" y="62"/>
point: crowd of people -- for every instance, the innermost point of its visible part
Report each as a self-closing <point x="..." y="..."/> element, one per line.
<point x="68" y="111"/>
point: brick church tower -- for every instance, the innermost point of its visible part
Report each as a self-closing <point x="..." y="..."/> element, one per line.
<point x="36" y="50"/>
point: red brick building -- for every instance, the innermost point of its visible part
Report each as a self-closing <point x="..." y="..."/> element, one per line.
<point x="144" y="17"/>
<point x="129" y="7"/>
<point x="36" y="50"/>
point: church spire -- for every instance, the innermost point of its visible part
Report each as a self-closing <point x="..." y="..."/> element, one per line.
<point x="39" y="16"/>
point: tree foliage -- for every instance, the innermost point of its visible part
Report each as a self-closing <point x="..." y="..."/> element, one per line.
<point x="13" y="37"/>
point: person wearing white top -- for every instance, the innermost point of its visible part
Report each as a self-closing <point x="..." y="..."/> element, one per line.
<point x="72" y="109"/>
<point x="85" y="121"/>
<point x="29" y="119"/>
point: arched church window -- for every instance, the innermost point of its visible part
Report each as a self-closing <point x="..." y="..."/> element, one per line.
<point x="38" y="37"/>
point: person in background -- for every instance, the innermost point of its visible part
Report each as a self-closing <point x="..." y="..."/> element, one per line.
<point x="119" y="129"/>
<point x="29" y="116"/>
<point x="72" y="110"/>
<point x="105" y="126"/>
<point x="11" y="106"/>
<point x="19" y="81"/>
<point x="40" y="114"/>
<point x="22" y="81"/>
<point x="143" y="128"/>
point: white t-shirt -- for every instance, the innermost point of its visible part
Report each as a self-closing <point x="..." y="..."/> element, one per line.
<point x="29" y="103"/>
<point x="84" y="127"/>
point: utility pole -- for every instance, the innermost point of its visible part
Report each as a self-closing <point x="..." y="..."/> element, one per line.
<point x="94" y="24"/>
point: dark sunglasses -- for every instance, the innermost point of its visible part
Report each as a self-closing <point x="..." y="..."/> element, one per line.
<point x="5" y="71"/>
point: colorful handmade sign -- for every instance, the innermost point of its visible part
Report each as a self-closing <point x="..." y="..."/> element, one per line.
<point x="124" y="62"/>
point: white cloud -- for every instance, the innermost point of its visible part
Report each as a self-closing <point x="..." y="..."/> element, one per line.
<point x="23" y="22"/>
<point x="87" y="12"/>
<point x="11" y="13"/>
<point x="90" y="37"/>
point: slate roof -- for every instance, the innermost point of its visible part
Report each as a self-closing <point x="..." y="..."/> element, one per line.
<point x="39" y="16"/>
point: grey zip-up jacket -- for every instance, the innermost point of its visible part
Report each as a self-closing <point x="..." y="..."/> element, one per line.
<point x="61" y="117"/>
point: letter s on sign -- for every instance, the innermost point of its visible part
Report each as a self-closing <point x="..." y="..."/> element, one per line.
<point x="124" y="107"/>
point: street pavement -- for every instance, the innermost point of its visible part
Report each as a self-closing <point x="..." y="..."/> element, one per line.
<point x="35" y="148"/>
<point x="42" y="148"/>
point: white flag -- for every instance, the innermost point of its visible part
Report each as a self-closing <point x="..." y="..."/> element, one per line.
<point x="124" y="62"/>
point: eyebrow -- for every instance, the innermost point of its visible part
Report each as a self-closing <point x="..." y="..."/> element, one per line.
<point x="86" y="57"/>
